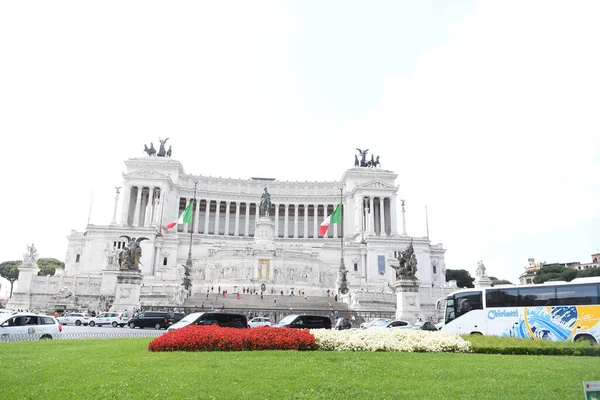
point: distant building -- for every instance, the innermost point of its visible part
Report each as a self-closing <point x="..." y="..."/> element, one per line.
<point x="526" y="277"/>
<point x="531" y="269"/>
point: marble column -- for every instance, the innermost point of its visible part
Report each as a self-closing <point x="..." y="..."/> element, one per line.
<point x="126" y="201"/>
<point x="371" y="219"/>
<point x="197" y="224"/>
<point x="236" y="231"/>
<point x="393" y="216"/>
<point x="148" y="213"/>
<point x="227" y="204"/>
<point x="138" y="202"/>
<point x="295" y="220"/>
<point x="247" y="222"/>
<point x="286" y="222"/>
<point x="276" y="220"/>
<point x="382" y="216"/>
<point x="325" y="216"/>
<point x="315" y="221"/>
<point x="217" y="216"/>
<point x="206" y="217"/>
<point x="305" y="216"/>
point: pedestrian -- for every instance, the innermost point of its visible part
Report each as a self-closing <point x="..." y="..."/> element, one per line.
<point x="222" y="306"/>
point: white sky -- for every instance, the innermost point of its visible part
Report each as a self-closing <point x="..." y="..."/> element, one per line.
<point x="488" y="111"/>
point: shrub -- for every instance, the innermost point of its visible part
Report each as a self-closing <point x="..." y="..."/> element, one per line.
<point x="216" y="338"/>
<point x="505" y="345"/>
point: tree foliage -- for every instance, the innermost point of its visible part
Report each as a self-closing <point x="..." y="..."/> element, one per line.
<point x="10" y="271"/>
<point x="48" y="266"/>
<point x="496" y="282"/>
<point x="554" y="272"/>
<point x="462" y="277"/>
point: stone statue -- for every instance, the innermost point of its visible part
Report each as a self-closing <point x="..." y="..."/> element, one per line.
<point x="130" y="257"/>
<point x="363" y="154"/>
<point x="31" y="256"/>
<point x="265" y="204"/>
<point x="407" y="260"/>
<point x="180" y="296"/>
<point x="356" y="164"/>
<point x="480" y="271"/>
<point x="169" y="152"/>
<point x="376" y="162"/>
<point x="162" y="151"/>
<point x="151" y="151"/>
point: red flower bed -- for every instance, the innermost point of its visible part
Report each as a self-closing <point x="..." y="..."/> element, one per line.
<point x="215" y="338"/>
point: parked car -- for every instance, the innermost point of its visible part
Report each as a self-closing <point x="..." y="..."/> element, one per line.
<point x="366" y="325"/>
<point x="212" y="318"/>
<point x="259" y="321"/>
<point x="151" y="319"/>
<point x="109" y="318"/>
<point x="177" y="317"/>
<point x="397" y="324"/>
<point x="75" y="319"/>
<point x="343" y="323"/>
<point x="304" y="322"/>
<point x="428" y="326"/>
<point x="45" y="326"/>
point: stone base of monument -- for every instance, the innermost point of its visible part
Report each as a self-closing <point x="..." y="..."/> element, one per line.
<point x="408" y="302"/>
<point x="127" y="294"/>
<point x="264" y="234"/>
<point x="482" y="282"/>
<point x="21" y="299"/>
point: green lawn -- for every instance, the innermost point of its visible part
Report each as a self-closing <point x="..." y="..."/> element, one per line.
<point x="122" y="368"/>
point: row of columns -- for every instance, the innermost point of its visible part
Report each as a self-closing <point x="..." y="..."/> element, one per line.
<point x="378" y="216"/>
<point x="142" y="206"/>
<point x="287" y="219"/>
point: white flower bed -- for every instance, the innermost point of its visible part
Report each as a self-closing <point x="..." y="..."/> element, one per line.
<point x="389" y="340"/>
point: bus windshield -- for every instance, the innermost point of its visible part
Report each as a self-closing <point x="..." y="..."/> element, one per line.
<point x="450" y="315"/>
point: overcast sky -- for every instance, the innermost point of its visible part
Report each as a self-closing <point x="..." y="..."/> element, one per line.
<point x="488" y="111"/>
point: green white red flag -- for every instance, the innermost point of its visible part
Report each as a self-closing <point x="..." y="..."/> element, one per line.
<point x="185" y="217"/>
<point x="334" y="218"/>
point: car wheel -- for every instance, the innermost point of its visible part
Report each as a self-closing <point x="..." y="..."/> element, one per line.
<point x="44" y="337"/>
<point x="122" y="325"/>
<point x="157" y="326"/>
<point x="92" y="324"/>
<point x="78" y="323"/>
<point x="99" y="325"/>
<point x="132" y="325"/>
<point x="114" y="324"/>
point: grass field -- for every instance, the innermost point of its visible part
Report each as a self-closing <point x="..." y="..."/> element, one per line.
<point x="123" y="368"/>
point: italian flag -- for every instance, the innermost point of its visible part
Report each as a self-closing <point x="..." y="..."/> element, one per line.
<point x="184" y="218"/>
<point x="334" y="218"/>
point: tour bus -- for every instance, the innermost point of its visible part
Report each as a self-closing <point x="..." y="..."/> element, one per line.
<point x="553" y="311"/>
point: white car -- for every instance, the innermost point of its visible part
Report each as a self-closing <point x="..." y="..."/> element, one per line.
<point x="259" y="321"/>
<point x="185" y="321"/>
<point x="366" y="325"/>
<point x="75" y="319"/>
<point x="45" y="326"/>
<point x="109" y="318"/>
<point x="398" y="324"/>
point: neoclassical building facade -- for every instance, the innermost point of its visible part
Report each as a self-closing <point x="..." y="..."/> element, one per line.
<point x="229" y="252"/>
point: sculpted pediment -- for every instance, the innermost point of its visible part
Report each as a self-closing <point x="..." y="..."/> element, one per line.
<point x="145" y="174"/>
<point x="376" y="185"/>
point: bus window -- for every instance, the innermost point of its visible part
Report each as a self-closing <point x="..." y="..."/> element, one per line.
<point x="574" y="295"/>
<point x="537" y="296"/>
<point x="449" y="310"/>
<point x="465" y="302"/>
<point x="501" y="297"/>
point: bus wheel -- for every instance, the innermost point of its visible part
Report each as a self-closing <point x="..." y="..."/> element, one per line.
<point x="586" y="338"/>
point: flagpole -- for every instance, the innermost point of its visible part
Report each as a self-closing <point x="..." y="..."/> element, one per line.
<point x="342" y="284"/>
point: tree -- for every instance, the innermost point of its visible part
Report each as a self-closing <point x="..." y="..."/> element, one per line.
<point x="554" y="272"/>
<point x="48" y="266"/>
<point x="462" y="277"/>
<point x="10" y="271"/>
<point x="501" y="282"/>
<point x="588" y="272"/>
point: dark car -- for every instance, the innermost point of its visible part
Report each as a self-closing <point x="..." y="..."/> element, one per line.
<point x="176" y="317"/>
<point x="151" y="319"/>
<point x="428" y="326"/>
<point x="304" y="322"/>
<point x="228" y="320"/>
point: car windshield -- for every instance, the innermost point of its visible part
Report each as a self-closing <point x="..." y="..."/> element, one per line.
<point x="381" y="323"/>
<point x="191" y="318"/>
<point x="287" y="319"/>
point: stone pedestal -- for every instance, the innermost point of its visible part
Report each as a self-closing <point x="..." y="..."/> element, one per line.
<point x="21" y="299"/>
<point x="408" y="302"/>
<point x="482" y="282"/>
<point x="127" y="294"/>
<point x="264" y="233"/>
